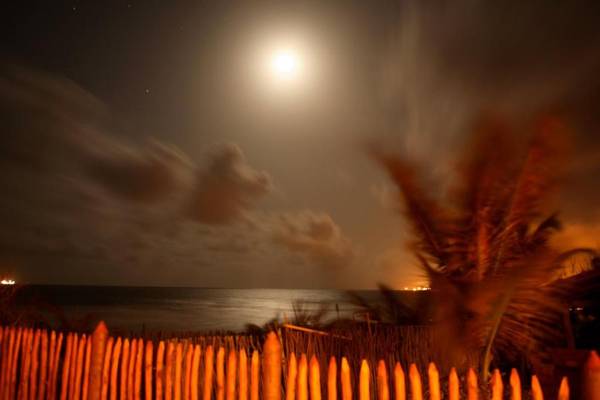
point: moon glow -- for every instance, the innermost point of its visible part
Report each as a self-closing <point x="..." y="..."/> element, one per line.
<point x="285" y="65"/>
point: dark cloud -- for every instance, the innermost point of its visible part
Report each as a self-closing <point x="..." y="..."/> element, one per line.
<point x="47" y="123"/>
<point x="315" y="236"/>
<point x="145" y="176"/>
<point x="225" y="190"/>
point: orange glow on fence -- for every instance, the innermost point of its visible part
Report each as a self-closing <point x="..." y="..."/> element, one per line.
<point x="25" y="349"/>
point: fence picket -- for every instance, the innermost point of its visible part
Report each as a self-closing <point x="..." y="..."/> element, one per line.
<point x="73" y="366"/>
<point x="114" y="368"/>
<point x="208" y="373"/>
<point x="497" y="387"/>
<point x="188" y="371"/>
<point x="271" y="367"/>
<point x="105" y="378"/>
<point x="302" y="386"/>
<point x="26" y="347"/>
<point x="178" y="369"/>
<point x="591" y="377"/>
<point x="221" y="373"/>
<point x="345" y="378"/>
<point x="515" y="385"/>
<point x="416" y="388"/>
<point x="364" y="390"/>
<point x="453" y="385"/>
<point x="87" y="371"/>
<point x="399" y="382"/>
<point x="55" y="363"/>
<point x="35" y="359"/>
<point x="133" y="350"/>
<point x="292" y="377"/>
<point x="78" y="373"/>
<point x="332" y="379"/>
<point x="314" y="380"/>
<point x="4" y="359"/>
<point x="124" y="373"/>
<point x="563" y="390"/>
<point x="243" y="379"/>
<point x="14" y="363"/>
<point x="536" y="389"/>
<point x="169" y="359"/>
<point x="148" y="354"/>
<point x="383" y="390"/>
<point x="66" y="368"/>
<point x="254" y="375"/>
<point x="472" y="386"/>
<point x="231" y="375"/>
<point x="434" y="382"/>
<point x="42" y="382"/>
<point x="137" y="382"/>
<point x="160" y="358"/>
<point x="195" y="372"/>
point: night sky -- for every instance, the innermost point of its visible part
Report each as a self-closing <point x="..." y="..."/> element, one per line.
<point x="145" y="143"/>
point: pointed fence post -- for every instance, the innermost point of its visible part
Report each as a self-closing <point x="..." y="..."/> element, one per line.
<point x="314" y="379"/>
<point x="272" y="368"/>
<point x="220" y="373"/>
<point x="399" y="382"/>
<point x="231" y="376"/>
<point x="416" y="389"/>
<point x="453" y="385"/>
<point x="434" y="382"/>
<point x="194" y="394"/>
<point x="515" y="385"/>
<point x="243" y="375"/>
<point x="364" y="382"/>
<point x="254" y="375"/>
<point x="591" y="377"/>
<point x="97" y="358"/>
<point x="346" y="380"/>
<point x="332" y="379"/>
<point x="497" y="387"/>
<point x="472" y="386"/>
<point x="208" y="373"/>
<point x="383" y="389"/>
<point x="292" y="374"/>
<point x="563" y="391"/>
<point x="536" y="389"/>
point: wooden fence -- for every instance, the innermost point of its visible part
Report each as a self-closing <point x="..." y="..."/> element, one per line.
<point x="42" y="365"/>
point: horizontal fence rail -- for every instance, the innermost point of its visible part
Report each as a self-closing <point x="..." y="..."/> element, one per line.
<point x="36" y="364"/>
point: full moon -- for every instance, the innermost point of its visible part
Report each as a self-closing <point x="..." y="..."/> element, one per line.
<point x="285" y="65"/>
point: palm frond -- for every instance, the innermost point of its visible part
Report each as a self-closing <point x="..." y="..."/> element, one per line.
<point x="424" y="215"/>
<point x="488" y="263"/>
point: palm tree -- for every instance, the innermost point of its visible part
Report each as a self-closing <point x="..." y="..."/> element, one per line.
<point x="485" y="246"/>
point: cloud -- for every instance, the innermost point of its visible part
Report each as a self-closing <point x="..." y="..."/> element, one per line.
<point x="315" y="236"/>
<point x="147" y="175"/>
<point x="48" y="124"/>
<point x="227" y="188"/>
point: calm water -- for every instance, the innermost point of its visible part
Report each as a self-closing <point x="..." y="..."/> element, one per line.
<point x="136" y="308"/>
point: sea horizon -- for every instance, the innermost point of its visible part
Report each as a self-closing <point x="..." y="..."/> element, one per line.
<point x="139" y="308"/>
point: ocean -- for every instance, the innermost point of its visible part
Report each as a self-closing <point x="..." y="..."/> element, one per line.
<point x="177" y="309"/>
